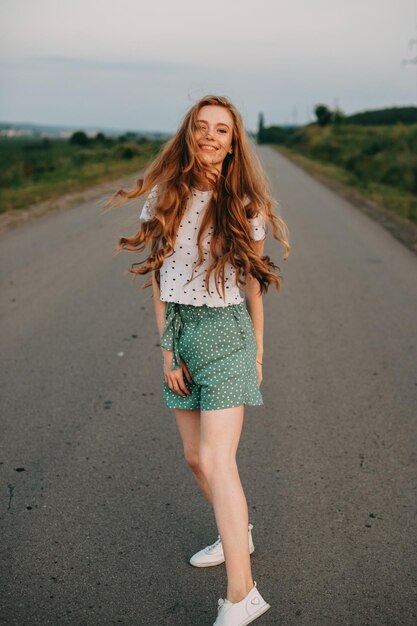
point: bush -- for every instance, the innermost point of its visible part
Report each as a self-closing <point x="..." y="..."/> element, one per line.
<point x="273" y="134"/>
<point x="323" y="114"/>
<point x="100" y="138"/>
<point x="126" y="151"/>
<point x="79" y="138"/>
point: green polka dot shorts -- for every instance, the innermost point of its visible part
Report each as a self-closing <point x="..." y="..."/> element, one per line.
<point x="218" y="346"/>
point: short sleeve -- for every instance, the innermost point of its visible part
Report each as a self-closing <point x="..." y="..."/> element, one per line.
<point x="148" y="209"/>
<point x="257" y="223"/>
<point x="257" y="226"/>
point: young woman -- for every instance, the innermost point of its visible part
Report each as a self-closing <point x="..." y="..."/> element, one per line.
<point x="205" y="219"/>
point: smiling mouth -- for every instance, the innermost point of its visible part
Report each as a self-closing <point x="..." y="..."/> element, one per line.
<point x="208" y="148"/>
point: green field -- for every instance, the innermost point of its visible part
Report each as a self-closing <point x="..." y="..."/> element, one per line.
<point x="378" y="161"/>
<point x="32" y="170"/>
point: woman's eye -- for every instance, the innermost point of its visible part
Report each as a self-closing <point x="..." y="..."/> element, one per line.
<point x="222" y="130"/>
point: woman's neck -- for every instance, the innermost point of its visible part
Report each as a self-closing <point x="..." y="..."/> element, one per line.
<point x="202" y="182"/>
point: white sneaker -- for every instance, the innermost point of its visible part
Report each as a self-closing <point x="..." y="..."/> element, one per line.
<point x="243" y="612"/>
<point x="214" y="555"/>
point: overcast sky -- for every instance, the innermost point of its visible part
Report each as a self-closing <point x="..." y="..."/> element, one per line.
<point x="140" y="65"/>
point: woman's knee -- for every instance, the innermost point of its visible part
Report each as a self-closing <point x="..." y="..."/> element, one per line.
<point x="191" y="457"/>
<point x="213" y="464"/>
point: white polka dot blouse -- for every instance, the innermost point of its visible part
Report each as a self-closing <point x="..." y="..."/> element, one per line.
<point x="181" y="283"/>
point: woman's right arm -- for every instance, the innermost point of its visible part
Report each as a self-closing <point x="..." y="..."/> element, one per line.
<point x="160" y="312"/>
<point x="159" y="305"/>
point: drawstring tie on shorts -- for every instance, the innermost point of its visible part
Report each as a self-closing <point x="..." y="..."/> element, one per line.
<point x="173" y="326"/>
<point x="171" y="333"/>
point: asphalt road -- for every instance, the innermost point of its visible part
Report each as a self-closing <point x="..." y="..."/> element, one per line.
<point x="99" y="512"/>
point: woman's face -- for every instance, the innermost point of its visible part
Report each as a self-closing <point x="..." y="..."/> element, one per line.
<point x="214" y="134"/>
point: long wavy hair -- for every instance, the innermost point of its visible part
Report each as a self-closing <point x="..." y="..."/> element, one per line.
<point x="175" y="170"/>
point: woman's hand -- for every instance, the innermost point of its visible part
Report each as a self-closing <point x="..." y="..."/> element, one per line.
<point x="175" y="378"/>
<point x="259" y="368"/>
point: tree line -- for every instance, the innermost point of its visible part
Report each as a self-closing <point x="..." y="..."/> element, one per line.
<point x="328" y="117"/>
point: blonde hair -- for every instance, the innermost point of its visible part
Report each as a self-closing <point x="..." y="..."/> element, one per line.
<point x="178" y="168"/>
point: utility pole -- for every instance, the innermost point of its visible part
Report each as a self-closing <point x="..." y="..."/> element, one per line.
<point x="411" y="61"/>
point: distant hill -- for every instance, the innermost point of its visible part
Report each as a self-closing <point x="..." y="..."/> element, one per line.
<point x="44" y="130"/>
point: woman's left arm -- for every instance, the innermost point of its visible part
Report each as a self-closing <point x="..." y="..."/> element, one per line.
<point x="254" y="304"/>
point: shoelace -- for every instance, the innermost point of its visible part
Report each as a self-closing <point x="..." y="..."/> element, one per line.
<point x="220" y="603"/>
<point x="214" y="545"/>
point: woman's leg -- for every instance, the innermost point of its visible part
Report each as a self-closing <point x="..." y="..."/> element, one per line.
<point x="219" y="438"/>
<point x="188" y="422"/>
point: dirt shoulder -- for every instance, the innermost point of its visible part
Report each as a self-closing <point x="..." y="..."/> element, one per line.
<point x="17" y="217"/>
